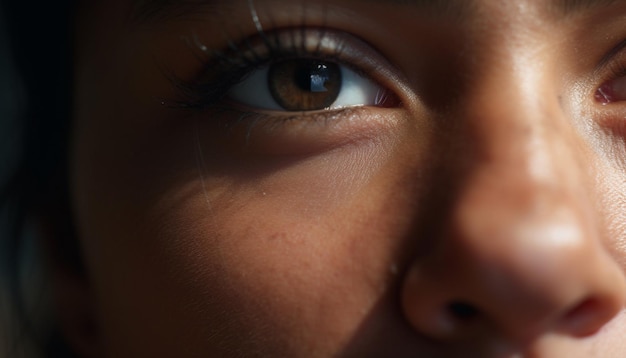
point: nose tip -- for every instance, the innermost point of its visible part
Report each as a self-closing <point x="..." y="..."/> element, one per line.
<point x="516" y="317"/>
<point x="547" y="276"/>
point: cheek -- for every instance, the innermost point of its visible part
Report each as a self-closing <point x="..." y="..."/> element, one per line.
<point x="609" y="167"/>
<point x="257" y="259"/>
<point x="613" y="203"/>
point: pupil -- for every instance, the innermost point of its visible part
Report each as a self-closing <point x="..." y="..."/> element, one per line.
<point x="312" y="77"/>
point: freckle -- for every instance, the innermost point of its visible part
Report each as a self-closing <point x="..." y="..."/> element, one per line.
<point x="279" y="236"/>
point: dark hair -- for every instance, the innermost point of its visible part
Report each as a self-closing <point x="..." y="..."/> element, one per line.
<point x="36" y="190"/>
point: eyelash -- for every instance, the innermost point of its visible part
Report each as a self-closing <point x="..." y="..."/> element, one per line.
<point x="616" y="68"/>
<point x="226" y="68"/>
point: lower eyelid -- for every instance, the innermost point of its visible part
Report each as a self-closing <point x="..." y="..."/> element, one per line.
<point x="266" y="133"/>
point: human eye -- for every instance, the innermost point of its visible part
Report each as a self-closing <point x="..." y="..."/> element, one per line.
<point x="296" y="90"/>
<point x="294" y="71"/>
<point x="614" y="90"/>
<point x="307" y="84"/>
<point x="613" y="85"/>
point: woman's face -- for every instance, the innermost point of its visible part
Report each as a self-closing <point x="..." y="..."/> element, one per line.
<point x="351" y="178"/>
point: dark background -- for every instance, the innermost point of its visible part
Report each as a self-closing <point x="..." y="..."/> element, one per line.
<point x="9" y="89"/>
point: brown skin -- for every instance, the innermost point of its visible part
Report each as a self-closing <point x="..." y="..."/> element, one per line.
<point x="496" y="185"/>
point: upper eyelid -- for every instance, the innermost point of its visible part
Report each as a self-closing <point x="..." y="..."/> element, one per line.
<point x="616" y="50"/>
<point x="609" y="60"/>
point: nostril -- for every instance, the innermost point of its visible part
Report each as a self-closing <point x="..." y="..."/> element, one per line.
<point x="586" y="318"/>
<point x="463" y="312"/>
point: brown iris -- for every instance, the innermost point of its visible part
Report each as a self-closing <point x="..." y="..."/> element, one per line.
<point x="304" y="85"/>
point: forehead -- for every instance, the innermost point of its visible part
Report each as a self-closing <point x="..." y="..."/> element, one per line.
<point x="150" y="9"/>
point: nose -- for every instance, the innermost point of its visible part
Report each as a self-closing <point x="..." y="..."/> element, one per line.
<point x="520" y="252"/>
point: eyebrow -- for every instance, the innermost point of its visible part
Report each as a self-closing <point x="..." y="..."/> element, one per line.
<point x="161" y="10"/>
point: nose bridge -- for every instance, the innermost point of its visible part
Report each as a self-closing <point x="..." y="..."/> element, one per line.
<point x="523" y="147"/>
<point x="512" y="104"/>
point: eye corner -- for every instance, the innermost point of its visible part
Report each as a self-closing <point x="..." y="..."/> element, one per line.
<point x="602" y="95"/>
<point x="612" y="91"/>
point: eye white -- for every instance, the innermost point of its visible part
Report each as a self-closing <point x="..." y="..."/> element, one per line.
<point x="355" y="90"/>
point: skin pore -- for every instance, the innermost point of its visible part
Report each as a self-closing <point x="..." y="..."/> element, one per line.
<point x="479" y="208"/>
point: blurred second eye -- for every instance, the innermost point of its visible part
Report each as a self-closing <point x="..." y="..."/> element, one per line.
<point x="307" y="85"/>
<point x="612" y="91"/>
